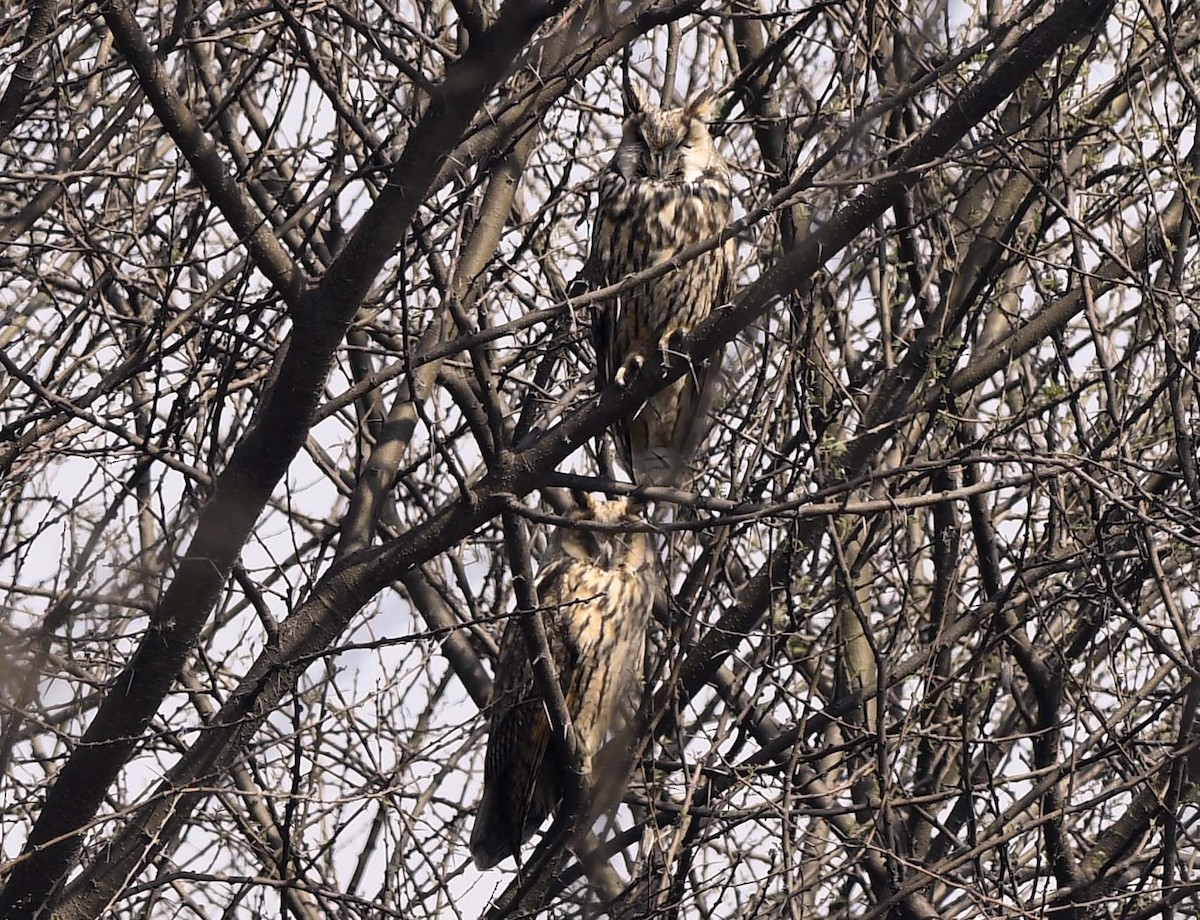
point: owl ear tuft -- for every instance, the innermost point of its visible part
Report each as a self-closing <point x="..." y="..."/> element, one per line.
<point x="636" y="99"/>
<point x="583" y="499"/>
<point x="635" y="508"/>
<point x="701" y="105"/>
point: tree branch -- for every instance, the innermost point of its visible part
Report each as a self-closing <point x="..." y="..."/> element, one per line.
<point x="250" y="226"/>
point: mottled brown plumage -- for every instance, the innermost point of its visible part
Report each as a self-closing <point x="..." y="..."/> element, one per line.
<point x="666" y="189"/>
<point x="598" y="589"/>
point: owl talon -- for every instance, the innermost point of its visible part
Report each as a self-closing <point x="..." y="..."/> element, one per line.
<point x="674" y="341"/>
<point x="628" y="372"/>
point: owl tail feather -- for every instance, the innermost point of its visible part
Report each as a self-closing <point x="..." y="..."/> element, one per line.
<point x="494" y="835"/>
<point x="658" y="466"/>
<point x="663" y="437"/>
<point x="506" y="820"/>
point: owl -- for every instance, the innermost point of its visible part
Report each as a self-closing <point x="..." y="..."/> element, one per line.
<point x="666" y="189"/>
<point x="596" y="590"/>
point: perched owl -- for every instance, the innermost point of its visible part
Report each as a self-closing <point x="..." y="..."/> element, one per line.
<point x="597" y="590"/>
<point x="666" y="189"/>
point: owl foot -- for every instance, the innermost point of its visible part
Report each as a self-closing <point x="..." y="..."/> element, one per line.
<point x="674" y="341"/>
<point x="628" y="372"/>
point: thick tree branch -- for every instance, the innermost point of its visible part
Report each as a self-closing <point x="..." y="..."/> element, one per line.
<point x="41" y="18"/>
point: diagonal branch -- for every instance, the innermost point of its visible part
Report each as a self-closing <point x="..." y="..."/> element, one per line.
<point x="41" y="17"/>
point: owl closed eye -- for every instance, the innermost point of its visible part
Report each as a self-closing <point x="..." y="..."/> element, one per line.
<point x="668" y="144"/>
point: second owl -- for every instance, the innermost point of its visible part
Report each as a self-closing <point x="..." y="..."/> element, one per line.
<point x="597" y="588"/>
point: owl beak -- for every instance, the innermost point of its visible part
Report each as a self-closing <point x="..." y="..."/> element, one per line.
<point x="658" y="163"/>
